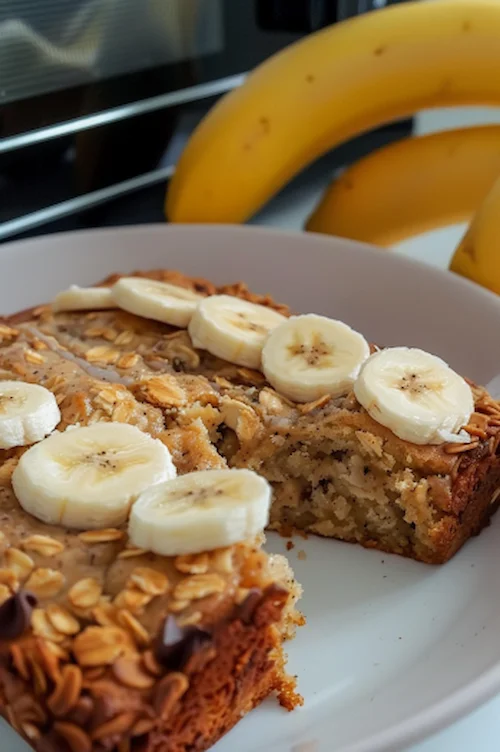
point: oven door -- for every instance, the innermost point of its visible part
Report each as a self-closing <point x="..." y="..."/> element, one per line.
<point x="97" y="97"/>
<point x="60" y="60"/>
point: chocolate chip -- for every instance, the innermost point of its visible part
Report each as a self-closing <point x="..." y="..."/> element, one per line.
<point x="269" y="610"/>
<point x="103" y="710"/>
<point x="176" y="645"/>
<point x="178" y="365"/>
<point x="15" y="615"/>
<point x="53" y="742"/>
<point x="245" y="610"/>
<point x="81" y="712"/>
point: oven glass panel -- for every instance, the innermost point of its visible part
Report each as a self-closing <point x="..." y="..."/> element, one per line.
<point x="52" y="44"/>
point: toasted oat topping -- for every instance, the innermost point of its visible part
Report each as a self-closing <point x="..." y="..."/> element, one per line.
<point x="199" y="586"/>
<point x="8" y="332"/>
<point x="45" y="583"/>
<point x="129" y="671"/>
<point x="101" y="646"/>
<point x="106" y="535"/>
<point x="19" y="563"/>
<point x="44" y="545"/>
<point x="149" y="581"/>
<point x="192" y="563"/>
<point x="85" y="593"/>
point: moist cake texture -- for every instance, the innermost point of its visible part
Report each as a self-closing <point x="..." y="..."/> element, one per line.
<point x="335" y="471"/>
<point x="156" y="654"/>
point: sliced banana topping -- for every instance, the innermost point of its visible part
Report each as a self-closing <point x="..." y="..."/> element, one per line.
<point x="87" y="478"/>
<point x="310" y="356"/>
<point x="159" y="301"/>
<point x="200" y="511"/>
<point x="233" y="329"/>
<point x="28" y="413"/>
<point x="416" y="395"/>
<point x="83" y="299"/>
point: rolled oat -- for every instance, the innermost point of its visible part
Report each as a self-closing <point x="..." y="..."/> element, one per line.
<point x="199" y="586"/>
<point x="149" y="581"/>
<point x="45" y="583"/>
<point x="43" y="545"/>
<point x="85" y="593"/>
<point x="101" y="646"/>
<point x="129" y="671"/>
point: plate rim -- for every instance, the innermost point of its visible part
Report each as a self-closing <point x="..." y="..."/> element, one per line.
<point x="437" y="717"/>
<point x="352" y="246"/>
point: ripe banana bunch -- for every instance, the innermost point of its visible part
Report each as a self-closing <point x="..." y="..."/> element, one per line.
<point x="412" y="186"/>
<point x="327" y="88"/>
<point x="477" y="257"/>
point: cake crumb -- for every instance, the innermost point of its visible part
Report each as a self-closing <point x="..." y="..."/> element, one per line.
<point x="290" y="544"/>
<point x="302" y="555"/>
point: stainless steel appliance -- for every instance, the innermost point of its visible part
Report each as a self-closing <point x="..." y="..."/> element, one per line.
<point x="97" y="97"/>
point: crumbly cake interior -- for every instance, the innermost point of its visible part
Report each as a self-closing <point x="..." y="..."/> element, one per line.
<point x="335" y="471"/>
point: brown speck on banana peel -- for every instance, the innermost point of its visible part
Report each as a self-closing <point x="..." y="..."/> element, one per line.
<point x="469" y="249"/>
<point x="265" y="124"/>
<point x="446" y="87"/>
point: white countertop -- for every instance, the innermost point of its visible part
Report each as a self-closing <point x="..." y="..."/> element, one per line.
<point x="480" y="731"/>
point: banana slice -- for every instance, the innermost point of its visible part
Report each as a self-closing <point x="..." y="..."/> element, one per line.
<point x="416" y="395"/>
<point x="88" y="477"/>
<point x="200" y="511"/>
<point x="28" y="413"/>
<point x="310" y="356"/>
<point x="233" y="329"/>
<point x="159" y="301"/>
<point x="83" y="299"/>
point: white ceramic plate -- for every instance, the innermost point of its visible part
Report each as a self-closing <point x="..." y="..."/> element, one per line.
<point x="392" y="649"/>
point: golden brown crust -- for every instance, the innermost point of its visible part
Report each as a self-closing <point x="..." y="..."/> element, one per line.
<point x="142" y="706"/>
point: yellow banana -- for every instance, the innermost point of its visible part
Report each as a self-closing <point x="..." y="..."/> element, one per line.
<point x="478" y="255"/>
<point x="412" y="186"/>
<point x="326" y="88"/>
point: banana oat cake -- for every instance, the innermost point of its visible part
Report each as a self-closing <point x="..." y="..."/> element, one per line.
<point x="184" y="621"/>
<point x="335" y="469"/>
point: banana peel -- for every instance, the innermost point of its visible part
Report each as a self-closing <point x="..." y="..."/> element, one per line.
<point x="325" y="89"/>
<point x="478" y="254"/>
<point x="412" y="186"/>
